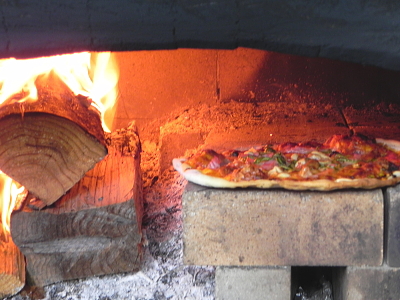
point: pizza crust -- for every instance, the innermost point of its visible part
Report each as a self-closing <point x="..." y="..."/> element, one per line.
<point x="391" y="144"/>
<point x="195" y="176"/>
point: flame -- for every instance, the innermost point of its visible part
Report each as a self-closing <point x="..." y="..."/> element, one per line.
<point x="93" y="75"/>
<point x="9" y="191"/>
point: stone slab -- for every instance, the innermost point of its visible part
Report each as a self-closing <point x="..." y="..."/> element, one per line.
<point x="368" y="283"/>
<point x="284" y="228"/>
<point x="392" y="226"/>
<point x="234" y="283"/>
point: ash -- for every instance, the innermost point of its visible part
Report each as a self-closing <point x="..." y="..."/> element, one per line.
<point x="163" y="276"/>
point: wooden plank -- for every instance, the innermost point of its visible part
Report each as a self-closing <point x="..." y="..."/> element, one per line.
<point x="49" y="144"/>
<point x="95" y="229"/>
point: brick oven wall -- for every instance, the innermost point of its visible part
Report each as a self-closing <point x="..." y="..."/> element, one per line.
<point x="357" y="31"/>
<point x="154" y="84"/>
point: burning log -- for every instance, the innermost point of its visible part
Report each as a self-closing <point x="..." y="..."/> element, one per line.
<point x="12" y="269"/>
<point x="12" y="262"/>
<point x="95" y="228"/>
<point x="49" y="144"/>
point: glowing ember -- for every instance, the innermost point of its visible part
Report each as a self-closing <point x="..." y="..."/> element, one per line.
<point x="92" y="75"/>
<point x="9" y="191"/>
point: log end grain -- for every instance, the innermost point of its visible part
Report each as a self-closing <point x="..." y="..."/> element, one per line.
<point x="45" y="153"/>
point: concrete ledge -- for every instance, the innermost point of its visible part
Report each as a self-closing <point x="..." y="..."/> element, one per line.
<point x="369" y="283"/>
<point x="235" y="283"/>
<point x="282" y="228"/>
<point x="392" y="226"/>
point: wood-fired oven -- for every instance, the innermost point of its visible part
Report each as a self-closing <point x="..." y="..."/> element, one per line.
<point x="222" y="74"/>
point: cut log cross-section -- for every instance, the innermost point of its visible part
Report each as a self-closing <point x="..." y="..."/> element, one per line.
<point x="95" y="228"/>
<point x="49" y="144"/>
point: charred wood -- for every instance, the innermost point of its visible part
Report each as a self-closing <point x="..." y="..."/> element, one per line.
<point x="12" y="268"/>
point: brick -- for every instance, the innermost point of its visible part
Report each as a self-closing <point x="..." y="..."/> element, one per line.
<point x="174" y="145"/>
<point x="369" y="283"/>
<point x="154" y="84"/>
<point x="237" y="71"/>
<point x="392" y="226"/>
<point x="286" y="228"/>
<point x="235" y="283"/>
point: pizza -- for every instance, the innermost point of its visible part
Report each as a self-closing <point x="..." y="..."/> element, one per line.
<point x="343" y="161"/>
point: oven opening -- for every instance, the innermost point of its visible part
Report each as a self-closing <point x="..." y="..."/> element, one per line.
<point x="129" y="215"/>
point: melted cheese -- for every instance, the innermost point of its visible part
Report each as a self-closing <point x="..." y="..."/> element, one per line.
<point x="301" y="162"/>
<point x="305" y="172"/>
<point x="275" y="171"/>
<point x="318" y="156"/>
<point x="283" y="175"/>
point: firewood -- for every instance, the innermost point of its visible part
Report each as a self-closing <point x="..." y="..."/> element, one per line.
<point x="12" y="268"/>
<point x="94" y="229"/>
<point x="49" y="144"/>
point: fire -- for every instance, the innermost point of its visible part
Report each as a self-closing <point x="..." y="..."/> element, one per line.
<point x="9" y="191"/>
<point x="93" y="75"/>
